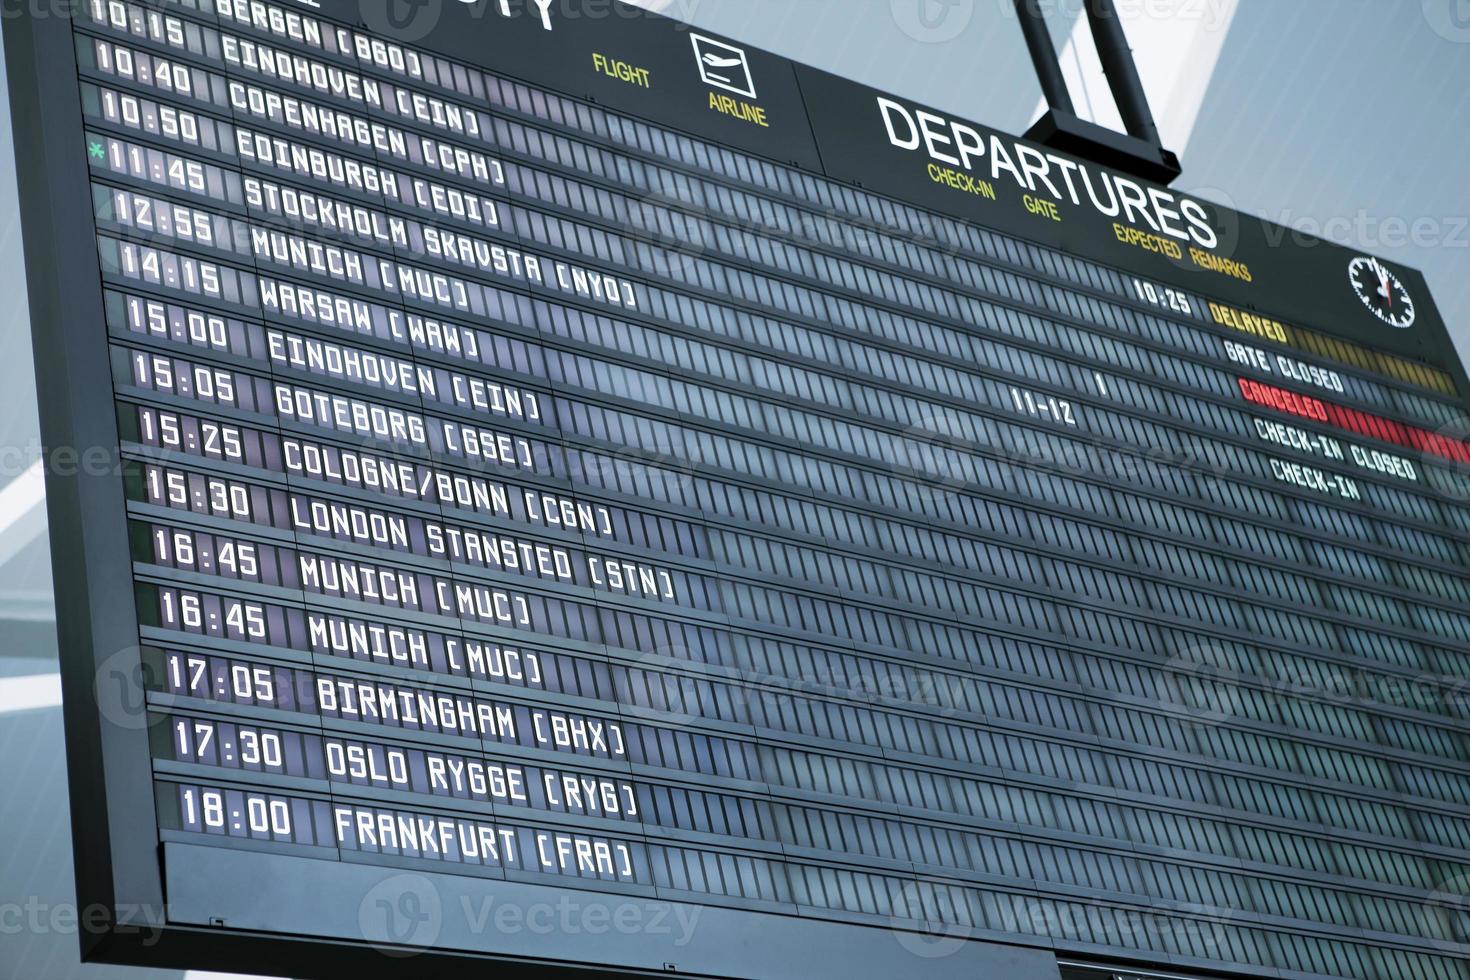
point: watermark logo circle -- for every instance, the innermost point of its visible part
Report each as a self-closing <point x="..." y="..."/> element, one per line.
<point x="665" y="697"/>
<point x="120" y="687"/>
<point x="1445" y="916"/>
<point x="1448" y="477"/>
<point x="1450" y="19"/>
<point x="1193" y="682"/>
<point x="401" y="20"/>
<point x="671" y="230"/>
<point x="400" y="913"/>
<point x="933" y="454"/>
<point x="919" y="933"/>
<point x="932" y="21"/>
<point x="1223" y="217"/>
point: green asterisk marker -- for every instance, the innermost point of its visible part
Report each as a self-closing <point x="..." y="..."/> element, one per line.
<point x="94" y="150"/>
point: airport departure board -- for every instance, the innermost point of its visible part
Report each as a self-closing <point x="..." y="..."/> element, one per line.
<point x="535" y="486"/>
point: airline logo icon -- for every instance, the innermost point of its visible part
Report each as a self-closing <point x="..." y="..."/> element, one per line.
<point x="723" y="66"/>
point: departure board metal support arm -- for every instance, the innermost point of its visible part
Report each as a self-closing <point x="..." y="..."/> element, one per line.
<point x="1139" y="151"/>
<point x="1044" y="56"/>
<point x="1117" y="63"/>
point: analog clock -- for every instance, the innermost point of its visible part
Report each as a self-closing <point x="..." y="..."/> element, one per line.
<point x="1382" y="292"/>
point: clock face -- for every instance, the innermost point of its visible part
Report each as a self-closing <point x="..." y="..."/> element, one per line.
<point x="1382" y="292"/>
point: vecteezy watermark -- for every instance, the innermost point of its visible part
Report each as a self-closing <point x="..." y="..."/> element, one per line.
<point x="1445" y="915"/>
<point x="36" y="916"/>
<point x="670" y="229"/>
<point x="1225" y="219"/>
<point x="940" y="457"/>
<point x="752" y="695"/>
<point x="406" y="914"/>
<point x="120" y="686"/>
<point x="932" y="21"/>
<point x="1368" y="231"/>
<point x="1211" y="686"/>
<point x="675" y="232"/>
<point x="42" y="9"/>
<point x="1449" y="477"/>
<point x="1170" y="924"/>
<point x="929" y="921"/>
<point x="61" y="460"/>
<point x="933" y="921"/>
<point x="667" y="465"/>
<point x="402" y="20"/>
<point x="583" y="916"/>
<point x="1450" y="19"/>
<point x="1195" y="682"/>
<point x="933" y="455"/>
<point x="401" y="915"/>
<point x="413" y="20"/>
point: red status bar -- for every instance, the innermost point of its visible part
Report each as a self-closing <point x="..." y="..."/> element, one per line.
<point x="1352" y="420"/>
